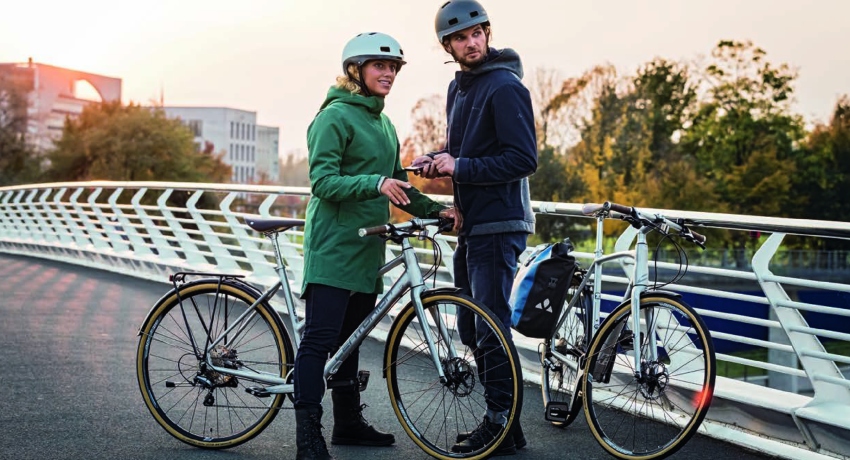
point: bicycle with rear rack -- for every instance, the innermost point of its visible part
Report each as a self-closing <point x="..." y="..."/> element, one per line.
<point x="645" y="373"/>
<point x="214" y="361"/>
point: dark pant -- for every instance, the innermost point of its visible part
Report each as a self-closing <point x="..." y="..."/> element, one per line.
<point x="484" y="267"/>
<point x="332" y="314"/>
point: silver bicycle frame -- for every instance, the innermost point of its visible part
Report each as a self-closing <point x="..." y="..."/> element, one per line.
<point x="638" y="285"/>
<point x="411" y="279"/>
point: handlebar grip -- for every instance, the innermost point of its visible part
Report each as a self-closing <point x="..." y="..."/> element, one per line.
<point x="620" y="208"/>
<point x="698" y="237"/>
<point x="589" y="209"/>
<point x="379" y="230"/>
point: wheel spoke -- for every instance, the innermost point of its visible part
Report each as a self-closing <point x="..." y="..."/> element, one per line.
<point x="198" y="405"/>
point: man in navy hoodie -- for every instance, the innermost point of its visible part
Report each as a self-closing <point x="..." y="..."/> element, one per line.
<point x="491" y="149"/>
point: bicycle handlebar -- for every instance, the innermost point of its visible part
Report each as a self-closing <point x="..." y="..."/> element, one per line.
<point x="412" y="224"/>
<point x="631" y="213"/>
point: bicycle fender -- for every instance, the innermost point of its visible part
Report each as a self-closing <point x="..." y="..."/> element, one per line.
<point x="173" y="291"/>
<point x="442" y="290"/>
<point x="662" y="293"/>
<point x="656" y="293"/>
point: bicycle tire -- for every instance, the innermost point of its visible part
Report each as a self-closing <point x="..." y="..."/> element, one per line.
<point x="217" y="412"/>
<point x="654" y="418"/>
<point x="559" y="376"/>
<point x="433" y="413"/>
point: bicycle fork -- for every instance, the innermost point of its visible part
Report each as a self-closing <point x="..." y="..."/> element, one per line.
<point x="640" y="280"/>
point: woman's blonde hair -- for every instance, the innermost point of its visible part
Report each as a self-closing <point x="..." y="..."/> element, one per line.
<point x="347" y="82"/>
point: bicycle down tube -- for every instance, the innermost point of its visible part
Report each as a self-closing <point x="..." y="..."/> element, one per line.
<point x="396" y="291"/>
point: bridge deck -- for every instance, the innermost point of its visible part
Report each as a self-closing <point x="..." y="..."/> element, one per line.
<point x="68" y="339"/>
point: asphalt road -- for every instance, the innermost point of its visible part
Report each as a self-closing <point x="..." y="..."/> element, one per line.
<point x="68" y="386"/>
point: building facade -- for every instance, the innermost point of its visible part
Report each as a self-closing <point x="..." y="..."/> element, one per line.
<point x="52" y="96"/>
<point x="247" y="148"/>
<point x="268" y="154"/>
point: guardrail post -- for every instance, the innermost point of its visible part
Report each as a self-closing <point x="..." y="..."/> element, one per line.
<point x="790" y="318"/>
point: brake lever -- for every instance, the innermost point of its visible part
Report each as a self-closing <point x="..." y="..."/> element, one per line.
<point x="446" y="225"/>
<point x="686" y="233"/>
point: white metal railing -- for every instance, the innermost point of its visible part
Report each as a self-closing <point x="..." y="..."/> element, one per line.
<point x="795" y="406"/>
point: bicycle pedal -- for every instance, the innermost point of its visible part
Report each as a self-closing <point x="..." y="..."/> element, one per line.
<point x="362" y="380"/>
<point x="259" y="392"/>
<point x="557" y="412"/>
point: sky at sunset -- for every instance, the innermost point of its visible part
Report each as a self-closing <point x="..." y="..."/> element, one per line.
<point x="278" y="57"/>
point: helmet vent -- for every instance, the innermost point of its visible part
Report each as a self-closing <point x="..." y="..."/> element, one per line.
<point x="452" y="21"/>
<point x="385" y="49"/>
<point x="473" y="14"/>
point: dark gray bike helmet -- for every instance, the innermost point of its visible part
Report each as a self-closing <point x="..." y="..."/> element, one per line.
<point x="457" y="15"/>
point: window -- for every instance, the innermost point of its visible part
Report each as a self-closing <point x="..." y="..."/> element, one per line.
<point x="232" y="127"/>
<point x="196" y="126"/>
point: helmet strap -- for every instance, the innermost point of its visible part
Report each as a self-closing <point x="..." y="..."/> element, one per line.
<point x="360" y="82"/>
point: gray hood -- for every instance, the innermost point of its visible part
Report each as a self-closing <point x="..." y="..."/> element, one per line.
<point x="504" y="59"/>
<point x="507" y="59"/>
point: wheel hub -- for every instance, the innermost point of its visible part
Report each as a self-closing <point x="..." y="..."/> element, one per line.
<point x="654" y="379"/>
<point x="460" y="376"/>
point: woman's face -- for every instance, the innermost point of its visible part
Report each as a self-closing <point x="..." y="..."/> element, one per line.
<point x="379" y="75"/>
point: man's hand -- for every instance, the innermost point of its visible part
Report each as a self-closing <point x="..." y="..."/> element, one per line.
<point x="445" y="164"/>
<point x="429" y="169"/>
<point x="394" y="190"/>
<point x="452" y="213"/>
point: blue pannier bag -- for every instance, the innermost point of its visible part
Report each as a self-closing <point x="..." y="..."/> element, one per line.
<point x="540" y="289"/>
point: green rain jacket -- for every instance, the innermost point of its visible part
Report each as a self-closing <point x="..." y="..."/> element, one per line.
<point x="351" y="146"/>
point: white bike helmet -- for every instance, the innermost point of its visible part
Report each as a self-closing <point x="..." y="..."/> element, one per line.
<point x="457" y="15"/>
<point x="371" y="45"/>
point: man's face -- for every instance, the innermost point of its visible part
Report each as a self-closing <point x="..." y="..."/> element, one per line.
<point x="468" y="46"/>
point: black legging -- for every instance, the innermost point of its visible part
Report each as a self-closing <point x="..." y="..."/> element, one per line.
<point x="332" y="315"/>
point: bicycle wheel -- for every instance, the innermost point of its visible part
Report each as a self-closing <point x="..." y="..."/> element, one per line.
<point x="652" y="416"/>
<point x="431" y="412"/>
<point x="561" y="367"/>
<point x="196" y="405"/>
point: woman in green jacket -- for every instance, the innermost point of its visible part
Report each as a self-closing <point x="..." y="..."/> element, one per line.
<point x="355" y="172"/>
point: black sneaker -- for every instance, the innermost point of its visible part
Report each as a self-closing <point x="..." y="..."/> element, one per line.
<point x="519" y="436"/>
<point x="483" y="435"/>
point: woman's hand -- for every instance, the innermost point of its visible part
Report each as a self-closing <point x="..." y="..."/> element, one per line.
<point x="394" y="190"/>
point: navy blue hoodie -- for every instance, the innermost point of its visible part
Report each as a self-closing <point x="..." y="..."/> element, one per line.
<point x="492" y="137"/>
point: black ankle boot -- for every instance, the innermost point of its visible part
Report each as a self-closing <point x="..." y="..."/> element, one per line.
<point x="350" y="428"/>
<point x="308" y="434"/>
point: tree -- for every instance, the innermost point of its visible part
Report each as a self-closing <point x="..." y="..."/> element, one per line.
<point x="744" y="137"/>
<point x="111" y="141"/>
<point x="745" y="113"/>
<point x="19" y="163"/>
<point x="428" y="117"/>
<point x="824" y="178"/>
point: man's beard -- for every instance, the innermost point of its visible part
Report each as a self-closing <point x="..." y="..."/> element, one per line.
<point x="470" y="62"/>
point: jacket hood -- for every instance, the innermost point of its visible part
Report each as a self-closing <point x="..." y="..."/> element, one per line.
<point x="372" y="104"/>
<point x="507" y="59"/>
